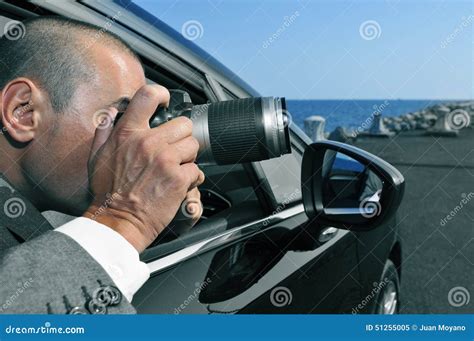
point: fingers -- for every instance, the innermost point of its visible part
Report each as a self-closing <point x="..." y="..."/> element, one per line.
<point x="187" y="149"/>
<point x="194" y="175"/>
<point x="174" y="130"/>
<point x="192" y="205"/>
<point x="143" y="105"/>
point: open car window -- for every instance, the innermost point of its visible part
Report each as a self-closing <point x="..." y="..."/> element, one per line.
<point x="228" y="194"/>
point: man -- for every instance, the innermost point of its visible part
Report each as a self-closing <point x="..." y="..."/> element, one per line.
<point x="62" y="85"/>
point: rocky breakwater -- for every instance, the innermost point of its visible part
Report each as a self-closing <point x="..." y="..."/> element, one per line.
<point x="440" y="119"/>
<point x="445" y="119"/>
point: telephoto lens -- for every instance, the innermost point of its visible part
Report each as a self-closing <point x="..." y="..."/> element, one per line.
<point x="235" y="131"/>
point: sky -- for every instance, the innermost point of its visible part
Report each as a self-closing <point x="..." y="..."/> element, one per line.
<point x="300" y="49"/>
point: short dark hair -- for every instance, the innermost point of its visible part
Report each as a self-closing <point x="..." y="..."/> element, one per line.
<point x="50" y="51"/>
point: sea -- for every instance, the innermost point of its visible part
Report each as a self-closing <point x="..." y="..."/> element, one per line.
<point x="352" y="113"/>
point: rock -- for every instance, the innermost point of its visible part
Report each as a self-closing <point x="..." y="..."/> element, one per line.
<point x="396" y="127"/>
<point x="423" y="126"/>
<point x="341" y="134"/>
<point x="441" y="110"/>
<point x="378" y="128"/>
<point x="444" y="119"/>
<point x="404" y="126"/>
<point x="411" y="121"/>
<point x="430" y="118"/>
<point x="443" y="126"/>
<point x="314" y="127"/>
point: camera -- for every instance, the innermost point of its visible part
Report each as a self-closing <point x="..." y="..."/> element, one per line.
<point x="234" y="131"/>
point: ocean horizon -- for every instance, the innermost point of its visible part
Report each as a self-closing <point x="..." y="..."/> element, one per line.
<point x="351" y="113"/>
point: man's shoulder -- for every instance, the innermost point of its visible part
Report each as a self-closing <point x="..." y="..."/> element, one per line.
<point x="19" y="219"/>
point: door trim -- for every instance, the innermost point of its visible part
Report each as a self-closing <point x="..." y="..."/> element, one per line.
<point x="220" y="239"/>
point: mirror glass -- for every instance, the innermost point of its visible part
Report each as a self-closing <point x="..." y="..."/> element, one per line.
<point x="349" y="187"/>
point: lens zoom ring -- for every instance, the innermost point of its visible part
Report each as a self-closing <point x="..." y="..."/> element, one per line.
<point x="235" y="128"/>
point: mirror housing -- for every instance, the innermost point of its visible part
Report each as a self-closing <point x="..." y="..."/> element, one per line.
<point x="358" y="216"/>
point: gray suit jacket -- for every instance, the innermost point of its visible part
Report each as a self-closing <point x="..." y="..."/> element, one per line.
<point x="43" y="271"/>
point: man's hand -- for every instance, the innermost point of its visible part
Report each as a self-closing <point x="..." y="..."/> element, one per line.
<point x="188" y="214"/>
<point x="141" y="176"/>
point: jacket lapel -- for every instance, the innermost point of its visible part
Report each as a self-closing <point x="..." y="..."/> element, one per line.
<point x="18" y="215"/>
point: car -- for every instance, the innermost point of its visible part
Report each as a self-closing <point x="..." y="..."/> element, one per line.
<point x="313" y="231"/>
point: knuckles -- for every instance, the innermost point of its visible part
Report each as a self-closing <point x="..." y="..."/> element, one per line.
<point x="166" y="159"/>
<point x="147" y="92"/>
<point x="154" y="92"/>
<point x="194" y="144"/>
<point x="181" y="180"/>
<point x="146" y="146"/>
<point x="163" y="94"/>
<point x="185" y="124"/>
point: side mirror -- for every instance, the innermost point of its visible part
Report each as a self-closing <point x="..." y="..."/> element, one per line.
<point x="347" y="187"/>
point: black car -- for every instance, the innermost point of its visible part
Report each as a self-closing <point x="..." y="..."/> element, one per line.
<point x="313" y="231"/>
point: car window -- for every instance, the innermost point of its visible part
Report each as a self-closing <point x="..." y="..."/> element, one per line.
<point x="3" y="22"/>
<point x="229" y="181"/>
<point x="282" y="175"/>
<point x="228" y="194"/>
<point x="284" y="178"/>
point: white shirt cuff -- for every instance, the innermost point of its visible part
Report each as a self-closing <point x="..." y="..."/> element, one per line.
<point x="113" y="252"/>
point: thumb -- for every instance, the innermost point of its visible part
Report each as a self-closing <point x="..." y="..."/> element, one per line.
<point x="104" y="123"/>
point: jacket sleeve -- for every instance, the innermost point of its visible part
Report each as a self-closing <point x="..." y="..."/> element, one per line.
<point x="54" y="274"/>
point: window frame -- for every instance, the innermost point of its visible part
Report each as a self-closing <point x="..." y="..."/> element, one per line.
<point x="169" y="59"/>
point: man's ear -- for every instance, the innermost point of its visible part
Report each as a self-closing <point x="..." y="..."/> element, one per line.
<point x="21" y="104"/>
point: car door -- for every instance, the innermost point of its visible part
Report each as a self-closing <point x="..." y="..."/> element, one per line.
<point x="255" y="250"/>
<point x="259" y="254"/>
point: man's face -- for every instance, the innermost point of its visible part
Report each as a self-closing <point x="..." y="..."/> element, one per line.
<point x="57" y="159"/>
